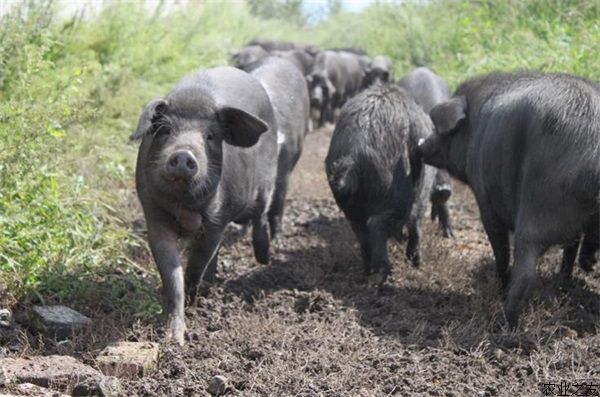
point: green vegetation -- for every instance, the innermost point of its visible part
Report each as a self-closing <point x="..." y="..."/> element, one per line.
<point x="462" y="38"/>
<point x="71" y="91"/>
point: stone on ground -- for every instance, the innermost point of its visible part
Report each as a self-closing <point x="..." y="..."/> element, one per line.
<point x="5" y="318"/>
<point x="31" y="390"/>
<point x="128" y="359"/>
<point x="59" y="321"/>
<point x="218" y="385"/>
<point x="107" y="386"/>
<point x="57" y="372"/>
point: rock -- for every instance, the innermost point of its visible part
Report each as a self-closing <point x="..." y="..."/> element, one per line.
<point x="5" y="318"/>
<point x="59" y="321"/>
<point x="29" y="389"/>
<point x="107" y="387"/>
<point x="62" y="372"/>
<point x="218" y="386"/>
<point x="128" y="359"/>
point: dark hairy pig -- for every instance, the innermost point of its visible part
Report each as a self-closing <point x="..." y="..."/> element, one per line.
<point x="528" y="145"/>
<point x="376" y="175"/>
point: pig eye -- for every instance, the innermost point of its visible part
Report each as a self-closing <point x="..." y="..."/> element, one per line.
<point x="209" y="137"/>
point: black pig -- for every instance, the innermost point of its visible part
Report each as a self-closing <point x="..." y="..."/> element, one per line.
<point x="247" y="56"/>
<point x="286" y="88"/>
<point x="528" y="145"/>
<point x="379" y="70"/>
<point x="376" y="175"/>
<point x="208" y="157"/>
<point x="428" y="89"/>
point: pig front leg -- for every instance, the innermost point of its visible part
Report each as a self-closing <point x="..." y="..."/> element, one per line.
<point x="378" y="232"/>
<point x="162" y="237"/>
<point x="202" y="260"/>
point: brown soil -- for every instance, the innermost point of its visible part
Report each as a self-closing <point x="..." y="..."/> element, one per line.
<point x="309" y="325"/>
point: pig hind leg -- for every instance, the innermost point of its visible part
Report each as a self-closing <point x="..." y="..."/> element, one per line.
<point x="260" y="231"/>
<point x="568" y="259"/>
<point x="285" y="165"/>
<point x="537" y="227"/>
<point x="276" y="211"/>
<point x="435" y="211"/>
<point x="412" y="246"/>
<point x="362" y="235"/>
<point x="202" y="262"/>
<point x="445" y="222"/>
<point x="523" y="277"/>
<point x="590" y="243"/>
<point x="378" y="229"/>
<point x="498" y="236"/>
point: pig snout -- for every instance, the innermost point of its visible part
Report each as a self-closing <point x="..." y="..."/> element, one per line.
<point x="429" y="150"/>
<point x="441" y="193"/>
<point x="182" y="165"/>
<point x="316" y="99"/>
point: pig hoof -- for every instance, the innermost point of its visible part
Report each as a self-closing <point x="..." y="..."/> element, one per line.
<point x="192" y="293"/>
<point x="176" y="331"/>
<point x="565" y="278"/>
<point x="512" y="319"/>
<point x="275" y="234"/>
<point x="275" y="227"/>
<point x="377" y="279"/>
<point x="504" y="282"/>
<point x="415" y="260"/>
<point x="262" y="256"/>
<point x="260" y="244"/>
<point x="586" y="265"/>
<point x="448" y="233"/>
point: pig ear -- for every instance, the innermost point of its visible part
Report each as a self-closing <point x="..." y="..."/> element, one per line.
<point x="447" y="115"/>
<point x="239" y="127"/>
<point x="154" y="109"/>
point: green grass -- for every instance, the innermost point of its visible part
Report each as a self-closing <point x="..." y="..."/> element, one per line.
<point x="71" y="92"/>
<point x="462" y="38"/>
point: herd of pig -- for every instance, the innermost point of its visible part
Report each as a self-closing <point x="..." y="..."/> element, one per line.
<point x="220" y="147"/>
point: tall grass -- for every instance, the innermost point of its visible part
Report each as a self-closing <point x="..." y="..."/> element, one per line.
<point x="71" y="91"/>
<point x="463" y="38"/>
